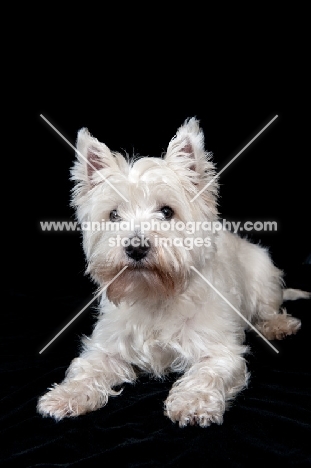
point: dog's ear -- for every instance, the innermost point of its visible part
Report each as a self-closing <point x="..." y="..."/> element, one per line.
<point x="186" y="155"/>
<point x="187" y="146"/>
<point x="92" y="157"/>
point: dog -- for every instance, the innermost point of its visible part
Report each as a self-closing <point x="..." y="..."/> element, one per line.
<point x="167" y="305"/>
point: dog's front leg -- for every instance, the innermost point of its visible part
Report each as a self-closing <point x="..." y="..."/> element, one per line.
<point x="88" y="383"/>
<point x="202" y="394"/>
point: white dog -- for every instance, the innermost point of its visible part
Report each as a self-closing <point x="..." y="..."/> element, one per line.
<point x="159" y="315"/>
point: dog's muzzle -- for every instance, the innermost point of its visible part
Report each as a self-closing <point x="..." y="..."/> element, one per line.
<point x="137" y="248"/>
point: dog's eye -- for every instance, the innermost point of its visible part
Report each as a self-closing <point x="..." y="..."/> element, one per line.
<point x="114" y="216"/>
<point x="167" y="211"/>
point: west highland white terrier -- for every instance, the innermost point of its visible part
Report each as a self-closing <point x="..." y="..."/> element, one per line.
<point x="168" y="304"/>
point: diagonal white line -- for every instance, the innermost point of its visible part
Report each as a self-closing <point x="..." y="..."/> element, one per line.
<point x="233" y="159"/>
<point x="88" y="162"/>
<point x="85" y="307"/>
<point x="235" y="310"/>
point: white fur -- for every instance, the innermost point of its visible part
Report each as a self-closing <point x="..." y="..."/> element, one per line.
<point x="159" y="316"/>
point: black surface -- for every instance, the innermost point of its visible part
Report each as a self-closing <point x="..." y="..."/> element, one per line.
<point x="269" y="421"/>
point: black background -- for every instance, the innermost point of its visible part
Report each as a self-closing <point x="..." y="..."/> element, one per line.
<point x="133" y="99"/>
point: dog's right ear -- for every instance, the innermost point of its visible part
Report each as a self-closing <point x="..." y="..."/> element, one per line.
<point x="92" y="158"/>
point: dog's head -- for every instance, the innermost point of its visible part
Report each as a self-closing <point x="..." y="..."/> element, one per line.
<point x="145" y="214"/>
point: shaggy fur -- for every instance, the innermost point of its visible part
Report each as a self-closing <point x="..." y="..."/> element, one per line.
<point x="159" y="316"/>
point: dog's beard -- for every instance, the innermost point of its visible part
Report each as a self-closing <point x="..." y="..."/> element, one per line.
<point x="136" y="284"/>
<point x="149" y="280"/>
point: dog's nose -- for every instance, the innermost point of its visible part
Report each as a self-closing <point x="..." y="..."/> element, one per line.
<point x="137" y="248"/>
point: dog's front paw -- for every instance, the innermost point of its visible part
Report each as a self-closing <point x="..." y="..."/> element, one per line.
<point x="200" y="409"/>
<point x="68" y="400"/>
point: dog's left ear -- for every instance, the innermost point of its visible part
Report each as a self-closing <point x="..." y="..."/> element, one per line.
<point x="92" y="157"/>
<point x="186" y="155"/>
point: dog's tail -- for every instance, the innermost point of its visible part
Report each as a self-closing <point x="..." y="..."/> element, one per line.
<point x="293" y="294"/>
